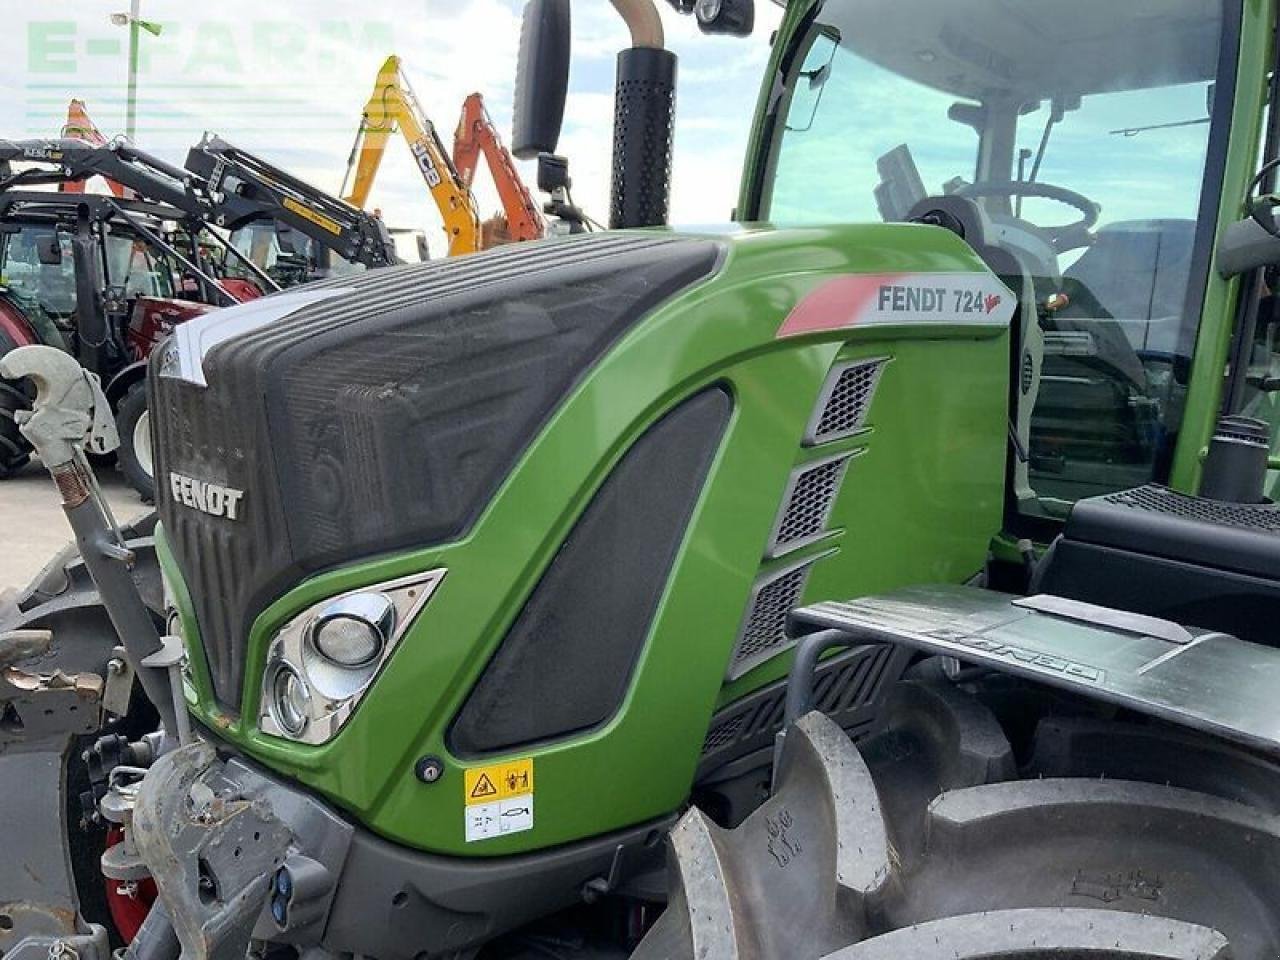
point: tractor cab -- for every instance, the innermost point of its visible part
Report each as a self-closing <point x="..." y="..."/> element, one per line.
<point x="1087" y="140"/>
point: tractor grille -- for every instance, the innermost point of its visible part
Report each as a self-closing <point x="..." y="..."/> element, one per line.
<point x="811" y="493"/>
<point x="848" y="687"/>
<point x="844" y="401"/>
<point x="764" y="629"/>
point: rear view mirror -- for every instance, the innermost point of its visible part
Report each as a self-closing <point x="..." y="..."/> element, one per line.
<point x="542" y="78"/>
<point x="733" y="18"/>
<point x="1254" y="241"/>
<point x="1245" y="246"/>
<point x="49" y="250"/>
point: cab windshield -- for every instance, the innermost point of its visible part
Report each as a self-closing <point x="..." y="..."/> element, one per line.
<point x="285" y="255"/>
<point x="1081" y="130"/>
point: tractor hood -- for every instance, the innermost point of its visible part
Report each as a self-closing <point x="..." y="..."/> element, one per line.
<point x="360" y="417"/>
<point x="288" y="443"/>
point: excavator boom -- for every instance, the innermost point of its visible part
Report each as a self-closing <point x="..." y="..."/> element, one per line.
<point x="476" y="134"/>
<point x="393" y="106"/>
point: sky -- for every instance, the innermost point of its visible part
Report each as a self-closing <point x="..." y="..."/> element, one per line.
<point x="288" y="79"/>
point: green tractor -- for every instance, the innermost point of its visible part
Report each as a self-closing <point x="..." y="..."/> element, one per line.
<point x="891" y="573"/>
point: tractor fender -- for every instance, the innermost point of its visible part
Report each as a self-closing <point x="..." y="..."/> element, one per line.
<point x="154" y="318"/>
<point x="14" y="326"/>
<point x="125" y="378"/>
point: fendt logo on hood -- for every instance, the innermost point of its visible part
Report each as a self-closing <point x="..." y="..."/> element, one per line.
<point x="211" y="498"/>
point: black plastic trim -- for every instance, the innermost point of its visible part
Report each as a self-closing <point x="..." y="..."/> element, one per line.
<point x="591" y="612"/>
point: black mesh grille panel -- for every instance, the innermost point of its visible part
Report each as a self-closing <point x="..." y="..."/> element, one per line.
<point x="848" y="687"/>
<point x="1153" y="499"/>
<point x="807" y="505"/>
<point x="764" y="630"/>
<point x="565" y="664"/>
<point x="845" y="400"/>
<point x="387" y="415"/>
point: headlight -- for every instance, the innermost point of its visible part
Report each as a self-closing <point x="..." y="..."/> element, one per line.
<point x="352" y="631"/>
<point x="322" y="661"/>
<point x="289" y="699"/>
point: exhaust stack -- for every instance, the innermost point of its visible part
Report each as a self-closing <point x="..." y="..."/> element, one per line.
<point x="643" y="121"/>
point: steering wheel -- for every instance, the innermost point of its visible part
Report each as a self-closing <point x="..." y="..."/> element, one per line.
<point x="1068" y="236"/>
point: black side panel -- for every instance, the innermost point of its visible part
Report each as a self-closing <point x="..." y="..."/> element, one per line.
<point x="590" y="614"/>
<point x="386" y="416"/>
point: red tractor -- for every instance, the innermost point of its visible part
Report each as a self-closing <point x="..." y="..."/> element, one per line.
<point x="104" y="279"/>
<point x="107" y="277"/>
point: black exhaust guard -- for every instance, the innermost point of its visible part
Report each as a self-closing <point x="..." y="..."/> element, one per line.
<point x="644" y="115"/>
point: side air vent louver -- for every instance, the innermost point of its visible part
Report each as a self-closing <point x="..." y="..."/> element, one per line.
<point x="844" y="401"/>
<point x="847" y="687"/>
<point x="764" y="628"/>
<point x="811" y="493"/>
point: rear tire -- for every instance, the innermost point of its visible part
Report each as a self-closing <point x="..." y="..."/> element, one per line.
<point x="133" y="422"/>
<point x="991" y="819"/>
<point x="1125" y="821"/>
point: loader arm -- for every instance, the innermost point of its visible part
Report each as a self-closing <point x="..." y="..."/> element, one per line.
<point x="243" y="187"/>
<point x="71" y="160"/>
<point x="393" y="106"/>
<point x="476" y="134"/>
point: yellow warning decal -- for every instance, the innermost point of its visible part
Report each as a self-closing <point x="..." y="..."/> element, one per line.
<point x="499" y="800"/>
<point x="319" y="219"/>
<point x="499" y="781"/>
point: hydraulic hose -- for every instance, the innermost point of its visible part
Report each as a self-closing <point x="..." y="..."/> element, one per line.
<point x="155" y="939"/>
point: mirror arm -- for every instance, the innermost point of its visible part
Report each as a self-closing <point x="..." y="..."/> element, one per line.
<point x="642" y="19"/>
<point x="1245" y="246"/>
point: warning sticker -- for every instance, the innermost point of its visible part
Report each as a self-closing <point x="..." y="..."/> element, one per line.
<point x="482" y="790"/>
<point x="499" y="799"/>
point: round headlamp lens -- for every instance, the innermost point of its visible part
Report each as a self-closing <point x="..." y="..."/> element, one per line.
<point x="348" y="641"/>
<point x="290" y="700"/>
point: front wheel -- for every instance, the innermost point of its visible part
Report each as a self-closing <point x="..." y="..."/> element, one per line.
<point x="133" y="421"/>
<point x="14" y="449"/>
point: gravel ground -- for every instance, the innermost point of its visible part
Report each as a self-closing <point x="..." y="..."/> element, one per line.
<point x="32" y="527"/>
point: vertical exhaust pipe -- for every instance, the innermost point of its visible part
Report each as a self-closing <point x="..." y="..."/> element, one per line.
<point x="643" y="121"/>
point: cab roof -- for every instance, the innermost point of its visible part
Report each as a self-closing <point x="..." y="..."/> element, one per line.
<point x="1034" y="49"/>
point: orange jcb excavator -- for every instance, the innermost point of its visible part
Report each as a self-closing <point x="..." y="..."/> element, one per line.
<point x="521" y="218"/>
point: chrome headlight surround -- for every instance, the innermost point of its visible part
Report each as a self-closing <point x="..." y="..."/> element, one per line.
<point x="304" y="668"/>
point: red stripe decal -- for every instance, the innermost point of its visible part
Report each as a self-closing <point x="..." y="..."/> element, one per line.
<point x="835" y="305"/>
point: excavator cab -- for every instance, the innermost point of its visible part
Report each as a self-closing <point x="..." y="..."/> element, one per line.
<point x="1094" y="176"/>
